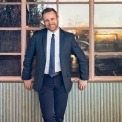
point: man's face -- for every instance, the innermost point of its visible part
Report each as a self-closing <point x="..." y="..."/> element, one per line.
<point x="51" y="21"/>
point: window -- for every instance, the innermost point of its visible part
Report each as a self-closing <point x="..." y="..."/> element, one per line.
<point x="107" y="39"/>
<point x="96" y="25"/>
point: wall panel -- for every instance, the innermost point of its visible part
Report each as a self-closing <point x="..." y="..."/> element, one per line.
<point x="100" y="102"/>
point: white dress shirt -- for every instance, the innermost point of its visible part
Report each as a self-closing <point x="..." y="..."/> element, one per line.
<point x="57" y="51"/>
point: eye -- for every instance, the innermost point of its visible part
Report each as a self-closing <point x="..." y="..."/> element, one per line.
<point x="46" y="21"/>
<point x="52" y="19"/>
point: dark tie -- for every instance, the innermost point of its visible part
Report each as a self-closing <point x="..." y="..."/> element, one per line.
<point x="52" y="57"/>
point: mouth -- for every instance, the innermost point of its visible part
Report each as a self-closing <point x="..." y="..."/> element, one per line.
<point x="52" y="25"/>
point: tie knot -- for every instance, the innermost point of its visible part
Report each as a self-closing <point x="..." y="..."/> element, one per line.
<point x="53" y="35"/>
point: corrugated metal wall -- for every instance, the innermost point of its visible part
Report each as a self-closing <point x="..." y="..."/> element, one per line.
<point x="100" y="102"/>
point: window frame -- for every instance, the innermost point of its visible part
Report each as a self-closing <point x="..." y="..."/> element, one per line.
<point x="91" y="29"/>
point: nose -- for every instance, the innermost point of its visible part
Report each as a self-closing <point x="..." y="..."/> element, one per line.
<point x="50" y="21"/>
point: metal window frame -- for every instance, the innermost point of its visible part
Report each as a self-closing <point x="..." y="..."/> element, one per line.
<point x="91" y="28"/>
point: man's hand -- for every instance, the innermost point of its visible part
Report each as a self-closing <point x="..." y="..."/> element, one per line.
<point x="28" y="84"/>
<point x="82" y="84"/>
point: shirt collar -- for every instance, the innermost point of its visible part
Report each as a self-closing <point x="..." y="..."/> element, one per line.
<point x="55" y="33"/>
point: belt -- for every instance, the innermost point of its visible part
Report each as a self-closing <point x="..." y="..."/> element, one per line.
<point x="56" y="73"/>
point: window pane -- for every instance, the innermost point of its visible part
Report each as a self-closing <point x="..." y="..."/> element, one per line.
<point x="74" y="15"/>
<point x="41" y="0"/>
<point x="108" y="15"/>
<point x="82" y="37"/>
<point x="108" y="40"/>
<point x="10" y="41"/>
<point x="108" y="0"/>
<point x="73" y="0"/>
<point x="29" y="34"/>
<point x="75" y="66"/>
<point x="34" y="18"/>
<point x="10" y="15"/>
<point x="10" y="0"/>
<point x="10" y="66"/>
<point x="108" y="65"/>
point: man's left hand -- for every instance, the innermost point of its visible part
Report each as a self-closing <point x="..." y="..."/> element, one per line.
<point x="82" y="84"/>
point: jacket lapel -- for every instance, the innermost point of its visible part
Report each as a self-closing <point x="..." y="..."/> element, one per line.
<point x="62" y="41"/>
<point x="44" y="41"/>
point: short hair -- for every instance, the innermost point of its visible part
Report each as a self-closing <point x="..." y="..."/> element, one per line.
<point x="46" y="10"/>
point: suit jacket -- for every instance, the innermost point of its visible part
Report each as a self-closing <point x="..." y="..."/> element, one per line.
<point x="68" y="46"/>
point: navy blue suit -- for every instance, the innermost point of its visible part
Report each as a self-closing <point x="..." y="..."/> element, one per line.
<point x="37" y="47"/>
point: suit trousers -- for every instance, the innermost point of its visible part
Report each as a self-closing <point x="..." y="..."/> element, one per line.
<point x="53" y="98"/>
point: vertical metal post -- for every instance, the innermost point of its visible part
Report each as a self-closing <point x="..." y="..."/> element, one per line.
<point x="23" y="31"/>
<point x="91" y="39"/>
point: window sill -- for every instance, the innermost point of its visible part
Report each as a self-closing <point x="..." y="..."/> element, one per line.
<point x="74" y="79"/>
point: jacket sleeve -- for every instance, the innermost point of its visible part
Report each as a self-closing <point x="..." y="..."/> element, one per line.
<point x="29" y="55"/>
<point x="82" y="61"/>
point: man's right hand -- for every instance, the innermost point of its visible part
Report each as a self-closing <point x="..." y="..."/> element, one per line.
<point x="28" y="84"/>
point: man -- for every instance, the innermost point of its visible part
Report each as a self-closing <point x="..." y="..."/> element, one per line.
<point x="53" y="47"/>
